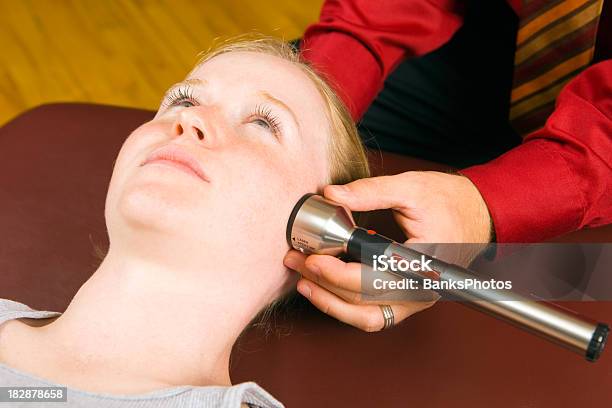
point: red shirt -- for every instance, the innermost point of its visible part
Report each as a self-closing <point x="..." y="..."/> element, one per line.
<point x="557" y="181"/>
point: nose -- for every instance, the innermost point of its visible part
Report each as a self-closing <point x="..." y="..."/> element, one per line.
<point x="189" y="124"/>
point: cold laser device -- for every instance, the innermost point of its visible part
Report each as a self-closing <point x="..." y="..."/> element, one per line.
<point x="320" y="226"/>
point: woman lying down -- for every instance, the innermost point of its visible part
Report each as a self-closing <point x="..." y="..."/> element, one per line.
<point x="196" y="249"/>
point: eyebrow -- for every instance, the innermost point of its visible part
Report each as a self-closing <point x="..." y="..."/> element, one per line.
<point x="190" y="81"/>
<point x="194" y="81"/>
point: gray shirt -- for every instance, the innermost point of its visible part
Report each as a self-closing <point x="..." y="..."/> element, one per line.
<point x="186" y="396"/>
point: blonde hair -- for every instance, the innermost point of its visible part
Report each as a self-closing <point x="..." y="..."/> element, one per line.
<point x="346" y="154"/>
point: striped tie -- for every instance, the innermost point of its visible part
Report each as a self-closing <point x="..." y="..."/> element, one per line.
<point x="555" y="41"/>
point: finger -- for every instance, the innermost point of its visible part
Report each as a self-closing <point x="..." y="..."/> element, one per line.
<point x="342" y="278"/>
<point x="338" y="277"/>
<point x="356" y="298"/>
<point x="374" y="193"/>
<point x="351" y="277"/>
<point x="365" y="317"/>
<point x="333" y="271"/>
<point x="295" y="260"/>
<point x="312" y="271"/>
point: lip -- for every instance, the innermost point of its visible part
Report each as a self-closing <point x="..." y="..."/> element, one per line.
<point x="179" y="158"/>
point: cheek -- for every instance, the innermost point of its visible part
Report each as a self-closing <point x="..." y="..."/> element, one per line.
<point x="280" y="175"/>
<point x="266" y="180"/>
<point x="132" y="153"/>
<point x="264" y="187"/>
<point x="134" y="150"/>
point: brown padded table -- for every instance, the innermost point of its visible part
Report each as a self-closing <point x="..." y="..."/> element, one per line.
<point x="55" y="164"/>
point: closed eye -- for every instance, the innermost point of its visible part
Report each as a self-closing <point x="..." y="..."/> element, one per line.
<point x="181" y="97"/>
<point x="264" y="117"/>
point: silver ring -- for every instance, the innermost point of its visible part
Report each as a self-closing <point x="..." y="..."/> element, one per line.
<point x="388" y="316"/>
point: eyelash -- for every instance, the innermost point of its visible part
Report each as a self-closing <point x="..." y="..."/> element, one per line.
<point x="185" y="94"/>
<point x="265" y="114"/>
<point x="178" y="96"/>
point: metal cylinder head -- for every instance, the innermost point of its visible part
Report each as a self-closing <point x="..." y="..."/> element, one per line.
<point x="318" y="225"/>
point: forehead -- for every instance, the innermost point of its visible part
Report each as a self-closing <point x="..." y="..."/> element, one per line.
<point x="244" y="73"/>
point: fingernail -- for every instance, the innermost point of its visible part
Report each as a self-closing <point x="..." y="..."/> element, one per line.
<point x="304" y="289"/>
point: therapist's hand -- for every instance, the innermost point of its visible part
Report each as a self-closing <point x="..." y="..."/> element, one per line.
<point x="334" y="287"/>
<point x="430" y="207"/>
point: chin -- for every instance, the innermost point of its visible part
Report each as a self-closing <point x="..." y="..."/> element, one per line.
<point x="156" y="208"/>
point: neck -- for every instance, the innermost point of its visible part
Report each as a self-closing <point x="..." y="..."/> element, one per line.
<point x="136" y="322"/>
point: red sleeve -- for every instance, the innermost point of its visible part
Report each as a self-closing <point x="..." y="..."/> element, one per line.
<point x="560" y="178"/>
<point x="357" y="43"/>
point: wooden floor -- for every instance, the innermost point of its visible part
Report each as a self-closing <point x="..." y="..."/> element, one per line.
<point x="121" y="52"/>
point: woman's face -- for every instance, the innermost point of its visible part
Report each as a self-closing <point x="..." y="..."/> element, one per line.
<point x="256" y="126"/>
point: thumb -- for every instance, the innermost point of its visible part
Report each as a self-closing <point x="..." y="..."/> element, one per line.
<point x="374" y="193"/>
